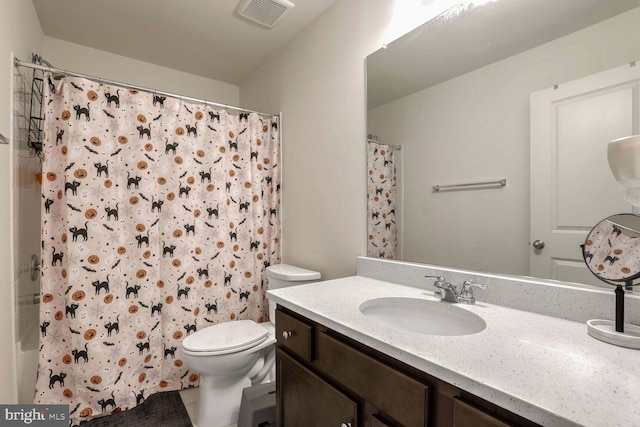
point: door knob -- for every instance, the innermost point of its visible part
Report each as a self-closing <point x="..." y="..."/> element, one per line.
<point x="538" y="244"/>
<point x="286" y="334"/>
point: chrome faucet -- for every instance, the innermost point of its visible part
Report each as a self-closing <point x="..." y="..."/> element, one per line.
<point x="448" y="292"/>
<point x="444" y="290"/>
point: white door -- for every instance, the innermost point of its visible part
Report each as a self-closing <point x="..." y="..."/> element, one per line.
<point x="572" y="187"/>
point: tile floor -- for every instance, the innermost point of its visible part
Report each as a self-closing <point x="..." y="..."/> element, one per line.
<point x="190" y="401"/>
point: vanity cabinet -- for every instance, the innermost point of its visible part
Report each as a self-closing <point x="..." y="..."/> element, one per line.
<point x="311" y="401"/>
<point x="327" y="379"/>
<point x="467" y="415"/>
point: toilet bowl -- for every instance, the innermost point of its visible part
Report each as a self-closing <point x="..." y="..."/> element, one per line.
<point x="233" y="355"/>
<point x="228" y="357"/>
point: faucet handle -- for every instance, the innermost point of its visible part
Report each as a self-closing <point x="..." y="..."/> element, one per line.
<point x="439" y="280"/>
<point x="440" y="283"/>
<point x="466" y="293"/>
<point x="467" y="284"/>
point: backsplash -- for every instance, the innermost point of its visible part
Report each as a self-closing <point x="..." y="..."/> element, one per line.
<point x="547" y="297"/>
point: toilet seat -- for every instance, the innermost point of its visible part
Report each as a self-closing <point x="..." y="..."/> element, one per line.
<point x="225" y="338"/>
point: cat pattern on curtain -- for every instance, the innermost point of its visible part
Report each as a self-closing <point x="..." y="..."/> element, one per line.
<point x="382" y="183"/>
<point x="159" y="218"/>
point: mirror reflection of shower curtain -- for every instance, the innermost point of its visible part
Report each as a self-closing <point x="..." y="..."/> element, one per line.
<point x="384" y="204"/>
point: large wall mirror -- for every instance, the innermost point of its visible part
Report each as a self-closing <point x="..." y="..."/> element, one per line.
<point x="525" y="93"/>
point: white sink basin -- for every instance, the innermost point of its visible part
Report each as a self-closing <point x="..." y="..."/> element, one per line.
<point x="422" y="316"/>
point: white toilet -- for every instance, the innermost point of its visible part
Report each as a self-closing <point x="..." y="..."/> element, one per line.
<point x="233" y="355"/>
<point x="283" y="276"/>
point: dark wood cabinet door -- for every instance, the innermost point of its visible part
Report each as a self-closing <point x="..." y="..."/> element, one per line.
<point x="377" y="422"/>
<point x="309" y="401"/>
<point x="465" y="415"/>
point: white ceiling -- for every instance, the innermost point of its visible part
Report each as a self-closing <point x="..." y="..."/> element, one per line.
<point x="202" y="37"/>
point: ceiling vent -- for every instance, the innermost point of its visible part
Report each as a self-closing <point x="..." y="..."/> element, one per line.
<point x="263" y="12"/>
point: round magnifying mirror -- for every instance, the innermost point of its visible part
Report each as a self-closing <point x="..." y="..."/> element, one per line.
<point x="612" y="249"/>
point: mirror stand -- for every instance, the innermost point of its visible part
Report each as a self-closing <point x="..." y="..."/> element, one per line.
<point x="610" y="253"/>
<point x="620" y="307"/>
<point x="616" y="332"/>
<point x="604" y="330"/>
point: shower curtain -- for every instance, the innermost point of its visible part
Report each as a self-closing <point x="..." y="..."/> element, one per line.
<point x="382" y="184"/>
<point x="159" y="218"/>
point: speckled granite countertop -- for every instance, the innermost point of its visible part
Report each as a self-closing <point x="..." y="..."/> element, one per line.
<point x="543" y="368"/>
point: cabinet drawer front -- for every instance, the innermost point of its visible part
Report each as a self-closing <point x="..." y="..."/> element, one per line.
<point x="309" y="401"/>
<point x="465" y="415"/>
<point x="373" y="380"/>
<point x="294" y="334"/>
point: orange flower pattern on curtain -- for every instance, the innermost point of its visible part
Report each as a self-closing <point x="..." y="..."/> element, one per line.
<point x="159" y="219"/>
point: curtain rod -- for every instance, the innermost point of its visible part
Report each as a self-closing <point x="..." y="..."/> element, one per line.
<point x="375" y="141"/>
<point x="19" y="63"/>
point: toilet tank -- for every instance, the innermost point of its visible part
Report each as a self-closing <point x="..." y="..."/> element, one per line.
<point x="283" y="276"/>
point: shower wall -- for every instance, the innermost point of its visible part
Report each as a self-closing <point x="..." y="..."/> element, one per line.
<point x="26" y="236"/>
<point x="20" y="35"/>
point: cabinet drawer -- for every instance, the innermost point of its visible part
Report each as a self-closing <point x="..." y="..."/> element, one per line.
<point x="399" y="396"/>
<point x="465" y="415"/>
<point x="294" y="334"/>
<point x="307" y="400"/>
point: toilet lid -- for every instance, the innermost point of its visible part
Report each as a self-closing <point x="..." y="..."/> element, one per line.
<point x="227" y="337"/>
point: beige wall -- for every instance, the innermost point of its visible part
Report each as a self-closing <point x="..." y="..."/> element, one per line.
<point x="318" y="82"/>
<point x="19" y="33"/>
<point x="93" y="62"/>
<point x="476" y="127"/>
